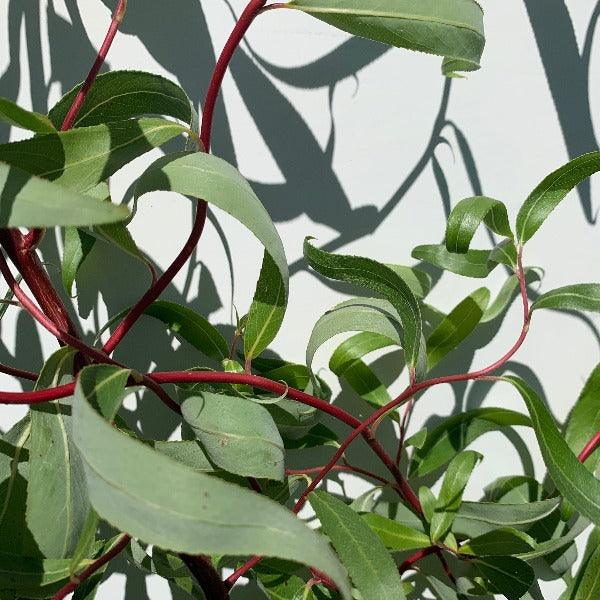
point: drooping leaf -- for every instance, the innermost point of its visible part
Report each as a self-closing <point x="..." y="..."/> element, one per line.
<point x="80" y="159"/>
<point x="457" y="326"/>
<point x="418" y="281"/>
<point x="382" y="280"/>
<point x="584" y="419"/>
<point x="450" y="496"/>
<point x="57" y="500"/>
<point x="581" y="296"/>
<point x="28" y="201"/>
<point x="214" y="180"/>
<point x="551" y="191"/>
<point x="509" y="290"/>
<point x="369" y="564"/>
<point x="394" y="535"/>
<point x="120" y="95"/>
<point x="453" y="30"/>
<point x="500" y="542"/>
<point x="457" y="432"/>
<point x="204" y="516"/>
<point x="466" y="217"/>
<point x="77" y="246"/>
<point x="473" y="263"/>
<point x="13" y="114"/>
<point x="237" y="434"/>
<point x="191" y="326"/>
<point x="573" y="480"/>
<point x="507" y="575"/>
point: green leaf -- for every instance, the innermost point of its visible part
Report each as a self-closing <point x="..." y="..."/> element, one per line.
<point x="188" y="452"/>
<point x="237" y="434"/>
<point x="394" y="535"/>
<point x="346" y="363"/>
<point x="551" y="191"/>
<point x="121" y="95"/>
<point x="214" y="180"/>
<point x="509" y="290"/>
<point x="507" y="575"/>
<point x="473" y="263"/>
<point x="190" y="326"/>
<point x="457" y="432"/>
<point x="380" y="279"/>
<point x="453" y="29"/>
<point x="86" y="541"/>
<point x="573" y="480"/>
<point x="317" y="437"/>
<point x="369" y="564"/>
<point x="13" y="114"/>
<point x="205" y="516"/>
<point x="76" y="248"/>
<point x="369" y="315"/>
<point x="28" y="201"/>
<point x="457" y="326"/>
<point x="466" y="217"/>
<point x="581" y="296"/>
<point x="57" y="501"/>
<point x="450" y="496"/>
<point x="584" y="419"/>
<point x="418" y="281"/>
<point x="500" y="542"/>
<point x="428" y="502"/>
<point x="588" y="580"/>
<point x="267" y="310"/>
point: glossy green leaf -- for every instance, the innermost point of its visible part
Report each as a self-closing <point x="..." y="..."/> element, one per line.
<point x="508" y="291"/>
<point x="500" y="542"/>
<point x="581" y="296"/>
<point x="346" y="362"/>
<point x="559" y="542"/>
<point x="237" y="434"/>
<point x="369" y="564"/>
<point x="369" y="315"/>
<point x="466" y="217"/>
<point x="394" y="535"/>
<point x="13" y="114"/>
<point x="572" y="479"/>
<point x="214" y="180"/>
<point x="190" y="326"/>
<point x="57" y="500"/>
<point x="551" y="191"/>
<point x="80" y="159"/>
<point x="418" y="281"/>
<point x="507" y="575"/>
<point x="382" y="280"/>
<point x="28" y="201"/>
<point x="77" y="245"/>
<point x="452" y="29"/>
<point x="584" y="419"/>
<point x="205" y="516"/>
<point x="428" y="502"/>
<point x="120" y="95"/>
<point x="457" y="326"/>
<point x="450" y="496"/>
<point x="457" y="432"/>
<point x="473" y="263"/>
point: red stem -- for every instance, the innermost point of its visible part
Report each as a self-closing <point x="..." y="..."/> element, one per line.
<point x="95" y="566"/>
<point x="117" y="19"/>
<point x="416" y="557"/>
<point x="246" y="18"/>
<point x="20" y="373"/>
<point x="590" y="447"/>
<point x="345" y="468"/>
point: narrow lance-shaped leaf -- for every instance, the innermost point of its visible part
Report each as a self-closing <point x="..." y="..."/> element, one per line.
<point x="473" y="263"/>
<point x="382" y="280"/>
<point x="28" y="201"/>
<point x="212" y="179"/>
<point x="453" y="29"/>
<point x="457" y="326"/>
<point x="13" y="114"/>
<point x="466" y="217"/>
<point x="450" y="496"/>
<point x="57" y="502"/>
<point x="551" y="191"/>
<point x="205" y="516"/>
<point x="238" y="435"/>
<point x="120" y="95"/>
<point x="457" y="432"/>
<point x="504" y="541"/>
<point x="573" y="480"/>
<point x="396" y="536"/>
<point x="80" y="159"/>
<point x="507" y="575"/>
<point x="581" y="296"/>
<point x="369" y="564"/>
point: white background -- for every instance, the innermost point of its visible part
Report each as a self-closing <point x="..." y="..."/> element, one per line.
<point x="344" y="142"/>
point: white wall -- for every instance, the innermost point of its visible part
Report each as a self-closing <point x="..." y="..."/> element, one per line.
<point x="381" y="119"/>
